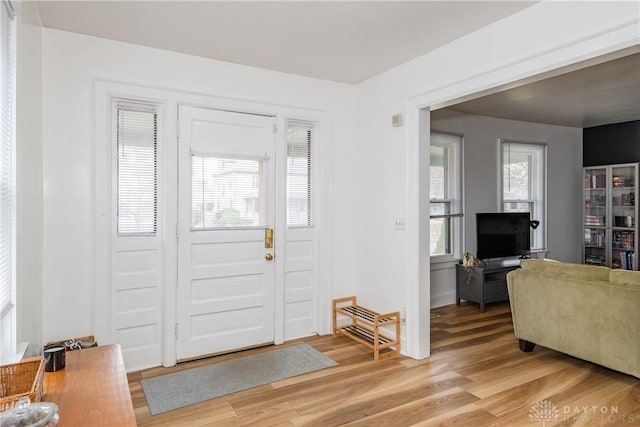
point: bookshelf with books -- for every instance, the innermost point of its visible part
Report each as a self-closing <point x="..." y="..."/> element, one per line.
<point x="610" y="215"/>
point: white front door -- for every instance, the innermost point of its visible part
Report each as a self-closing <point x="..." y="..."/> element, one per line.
<point x="225" y="296"/>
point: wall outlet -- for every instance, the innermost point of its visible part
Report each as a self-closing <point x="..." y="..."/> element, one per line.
<point x="399" y="224"/>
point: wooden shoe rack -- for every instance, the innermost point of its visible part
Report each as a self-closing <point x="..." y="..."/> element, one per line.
<point x="364" y="327"/>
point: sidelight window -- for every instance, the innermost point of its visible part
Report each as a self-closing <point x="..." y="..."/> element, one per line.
<point x="299" y="139"/>
<point x="137" y="169"/>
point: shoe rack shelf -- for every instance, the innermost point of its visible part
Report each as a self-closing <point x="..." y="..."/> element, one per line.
<point x="364" y="326"/>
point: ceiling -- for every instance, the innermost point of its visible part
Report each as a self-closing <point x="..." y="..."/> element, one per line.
<point x="600" y="94"/>
<point x="344" y="41"/>
<point x="351" y="41"/>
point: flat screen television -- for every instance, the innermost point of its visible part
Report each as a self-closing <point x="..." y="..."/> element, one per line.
<point x="503" y="234"/>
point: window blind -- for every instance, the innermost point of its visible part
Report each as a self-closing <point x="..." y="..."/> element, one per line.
<point x="299" y="139"/>
<point x="137" y="172"/>
<point x="439" y="162"/>
<point x="444" y="171"/>
<point x="7" y="156"/>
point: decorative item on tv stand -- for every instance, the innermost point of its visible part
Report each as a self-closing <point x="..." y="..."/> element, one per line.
<point x="469" y="260"/>
<point x="610" y="215"/>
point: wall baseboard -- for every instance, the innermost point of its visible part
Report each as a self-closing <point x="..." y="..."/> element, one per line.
<point x="443" y="299"/>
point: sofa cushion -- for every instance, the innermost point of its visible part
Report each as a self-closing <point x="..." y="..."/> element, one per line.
<point x="564" y="269"/>
<point x="625" y="277"/>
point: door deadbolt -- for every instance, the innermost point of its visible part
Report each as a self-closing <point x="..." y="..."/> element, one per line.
<point x="268" y="257"/>
<point x="268" y="238"/>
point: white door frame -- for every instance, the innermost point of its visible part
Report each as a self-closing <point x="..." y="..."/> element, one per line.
<point x="104" y="92"/>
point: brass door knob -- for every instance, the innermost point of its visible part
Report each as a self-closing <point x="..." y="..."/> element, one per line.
<point x="268" y="257"/>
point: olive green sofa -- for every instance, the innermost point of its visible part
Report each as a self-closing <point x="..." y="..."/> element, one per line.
<point x="592" y="313"/>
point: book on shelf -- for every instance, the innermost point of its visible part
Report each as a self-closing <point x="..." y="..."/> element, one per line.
<point x="594" y="220"/>
<point x="627" y="260"/>
<point x="595" y="181"/>
<point x="594" y="260"/>
<point x="623" y="240"/>
<point x="595" y="238"/>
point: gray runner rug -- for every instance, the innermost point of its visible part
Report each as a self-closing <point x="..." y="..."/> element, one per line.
<point x="172" y="391"/>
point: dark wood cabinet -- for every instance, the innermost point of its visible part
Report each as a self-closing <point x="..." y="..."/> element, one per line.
<point x="483" y="285"/>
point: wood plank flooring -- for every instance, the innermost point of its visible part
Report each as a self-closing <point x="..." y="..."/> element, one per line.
<point x="476" y="376"/>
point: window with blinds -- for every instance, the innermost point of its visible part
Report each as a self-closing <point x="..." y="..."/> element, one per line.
<point x="299" y="137"/>
<point x="226" y="192"/>
<point x="137" y="169"/>
<point x="445" y="194"/>
<point x="523" y="183"/>
<point x="7" y="163"/>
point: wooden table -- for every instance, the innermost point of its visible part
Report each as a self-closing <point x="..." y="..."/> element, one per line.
<point x="92" y="389"/>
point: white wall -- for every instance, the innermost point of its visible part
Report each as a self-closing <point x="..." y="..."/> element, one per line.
<point x="71" y="64"/>
<point x="377" y="172"/>
<point x="389" y="268"/>
<point x="29" y="177"/>
<point x="481" y="157"/>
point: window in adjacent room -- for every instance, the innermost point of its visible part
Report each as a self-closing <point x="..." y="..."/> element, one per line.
<point x="299" y="140"/>
<point x="7" y="182"/>
<point x="445" y="174"/>
<point x="137" y="169"/>
<point x="523" y="184"/>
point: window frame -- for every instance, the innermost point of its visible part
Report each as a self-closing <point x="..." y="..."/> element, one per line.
<point x="455" y="197"/>
<point x="537" y="184"/>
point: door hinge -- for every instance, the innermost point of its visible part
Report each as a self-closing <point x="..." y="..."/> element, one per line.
<point x="177" y="230"/>
<point x="275" y="128"/>
<point x="178" y="129"/>
<point x="177" y="331"/>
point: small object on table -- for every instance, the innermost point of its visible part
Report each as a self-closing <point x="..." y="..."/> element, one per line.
<point x="27" y="414"/>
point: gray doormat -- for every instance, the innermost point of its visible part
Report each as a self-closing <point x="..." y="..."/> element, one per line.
<point x="172" y="391"/>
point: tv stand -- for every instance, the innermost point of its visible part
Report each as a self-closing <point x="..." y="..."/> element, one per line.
<point x="484" y="284"/>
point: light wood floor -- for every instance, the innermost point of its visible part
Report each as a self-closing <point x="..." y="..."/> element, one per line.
<point x="476" y="376"/>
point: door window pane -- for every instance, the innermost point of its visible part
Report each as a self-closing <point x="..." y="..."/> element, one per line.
<point x="226" y="192"/>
